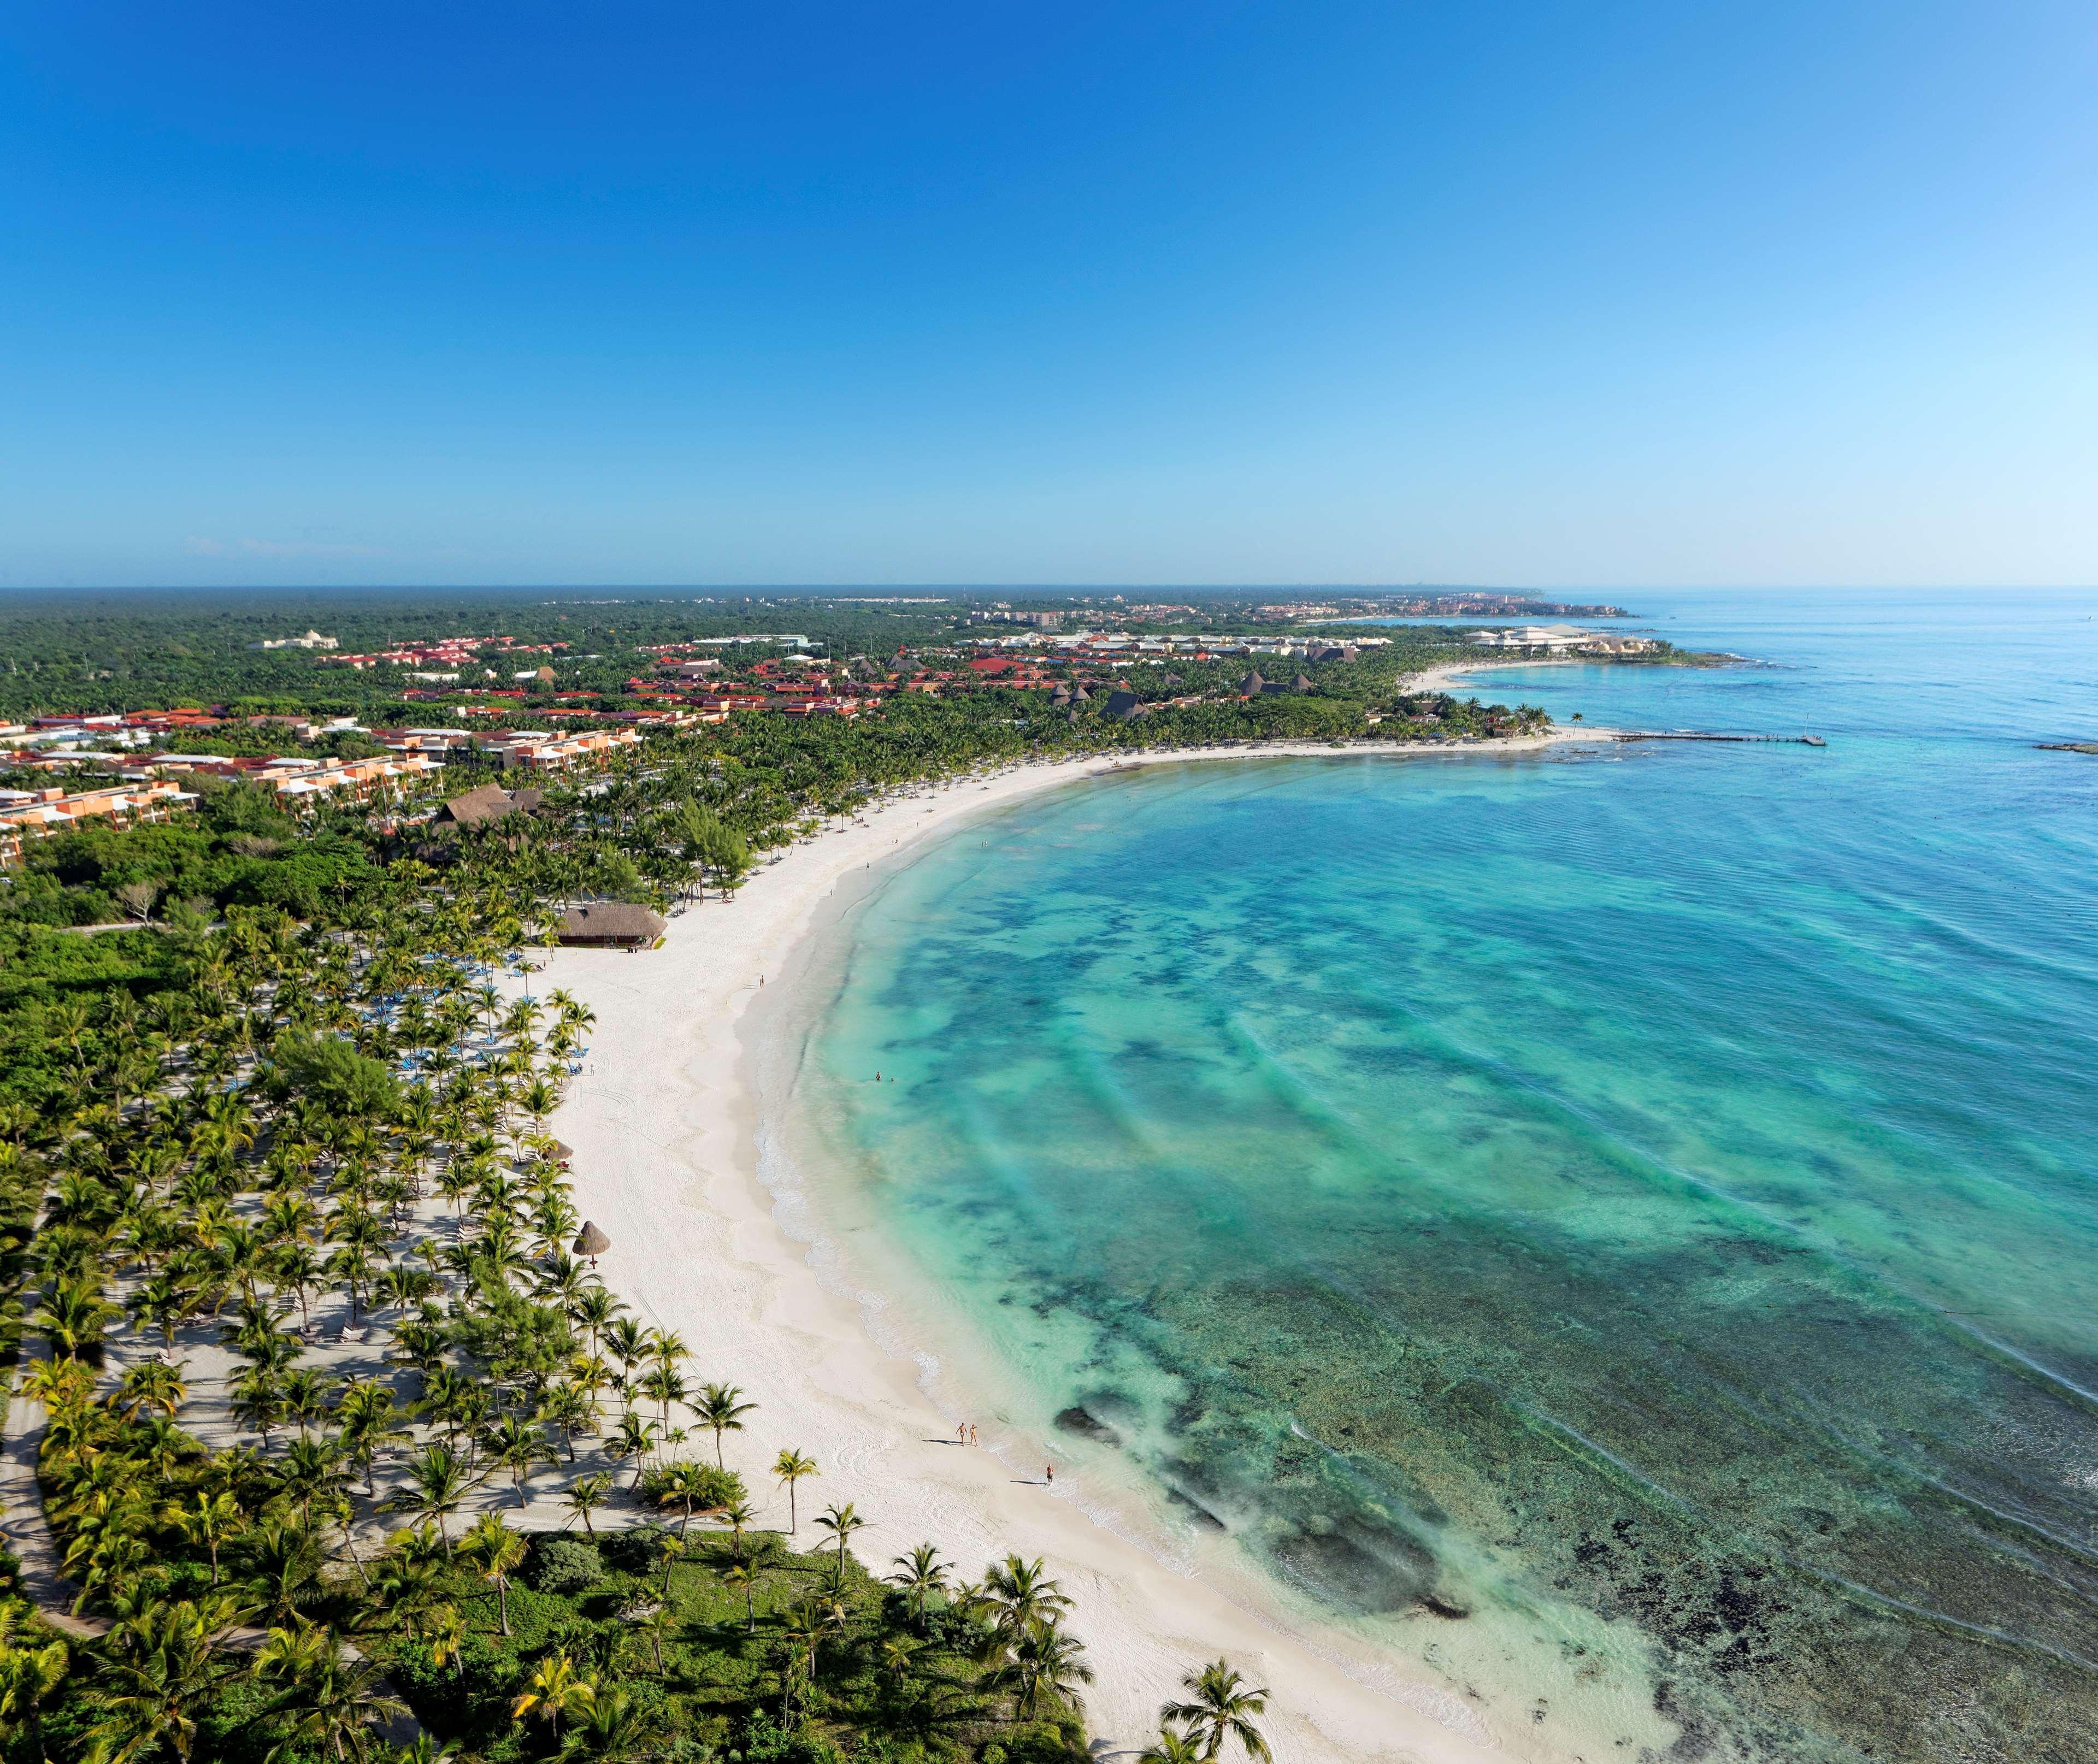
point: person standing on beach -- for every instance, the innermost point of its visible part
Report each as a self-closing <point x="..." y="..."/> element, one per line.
<point x="1049" y="1475"/>
<point x="961" y="1432"/>
<point x="972" y="1432"/>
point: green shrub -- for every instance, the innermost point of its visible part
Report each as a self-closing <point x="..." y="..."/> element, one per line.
<point x="638" y="1550"/>
<point x="334" y="1073"/>
<point x="563" y="1566"/>
<point x="711" y="1487"/>
<point x="765" y="1742"/>
<point x="1039" y="1742"/>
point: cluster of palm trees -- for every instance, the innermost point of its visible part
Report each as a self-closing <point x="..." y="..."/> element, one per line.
<point x="332" y="1136"/>
<point x="277" y="1138"/>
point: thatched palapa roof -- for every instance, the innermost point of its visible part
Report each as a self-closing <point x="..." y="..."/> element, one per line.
<point x="610" y="922"/>
<point x="490" y="802"/>
<point x="591" y="1242"/>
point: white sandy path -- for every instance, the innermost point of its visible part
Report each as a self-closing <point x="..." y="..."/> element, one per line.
<point x="662" y="1124"/>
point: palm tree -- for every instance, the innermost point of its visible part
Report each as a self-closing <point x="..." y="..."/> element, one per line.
<point x="285" y="1560"/>
<point x="671" y="1549"/>
<point x="367" y="1417"/>
<point x="437" y="1486"/>
<point x="492" y="1549"/>
<point x="634" y="1437"/>
<point x="841" y="1522"/>
<point x="587" y="1494"/>
<point x="802" y="1630"/>
<point x="790" y="1467"/>
<point x="569" y="1407"/>
<point x="305" y="1390"/>
<point x="736" y="1516"/>
<point x="719" y="1408"/>
<point x="161" y="1672"/>
<point x="334" y="1698"/>
<point x="1023" y="1596"/>
<point x="311" y="1469"/>
<point x="447" y="1638"/>
<point x="1221" y="1706"/>
<point x="664" y="1385"/>
<point x="553" y="1690"/>
<point x="1172" y="1747"/>
<point x="297" y="1268"/>
<point x="521" y="1448"/>
<point x="595" y="1309"/>
<point x="351" y="1264"/>
<point x="402" y="1287"/>
<point x="539" y="1100"/>
<point x="60" y="1385"/>
<point x="666" y="1347"/>
<point x="407" y="1578"/>
<point x="681" y="1487"/>
<point x="27" y="1675"/>
<point x="1047" y="1659"/>
<point x="655" y="1616"/>
<point x="612" y="1727"/>
<point x="152" y="1384"/>
<point x="628" y="1342"/>
<point x="740" y="1577"/>
<point x="920" y="1574"/>
<point x="163" y="1302"/>
<point x="73" y="1316"/>
<point x="209" y="1520"/>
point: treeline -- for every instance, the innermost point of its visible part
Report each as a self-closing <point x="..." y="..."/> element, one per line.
<point x="95" y="652"/>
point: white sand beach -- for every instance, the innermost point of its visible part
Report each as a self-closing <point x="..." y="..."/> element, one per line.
<point x="1449" y="677"/>
<point x="664" y="1125"/>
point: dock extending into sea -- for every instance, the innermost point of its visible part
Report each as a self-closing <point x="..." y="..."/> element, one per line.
<point x="1692" y="735"/>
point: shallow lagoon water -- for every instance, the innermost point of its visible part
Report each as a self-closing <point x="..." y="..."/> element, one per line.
<point x="1616" y="1229"/>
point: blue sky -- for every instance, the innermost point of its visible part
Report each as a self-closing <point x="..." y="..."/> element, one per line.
<point x="1579" y="295"/>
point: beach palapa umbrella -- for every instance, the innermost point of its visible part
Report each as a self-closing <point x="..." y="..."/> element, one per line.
<point x="592" y="1243"/>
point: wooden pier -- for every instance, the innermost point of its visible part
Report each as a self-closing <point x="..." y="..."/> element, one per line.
<point x="1692" y="735"/>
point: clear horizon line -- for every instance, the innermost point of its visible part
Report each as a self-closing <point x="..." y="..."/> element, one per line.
<point x="406" y="586"/>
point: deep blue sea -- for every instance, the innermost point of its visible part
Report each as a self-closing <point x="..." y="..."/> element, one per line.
<point x="1616" y="1230"/>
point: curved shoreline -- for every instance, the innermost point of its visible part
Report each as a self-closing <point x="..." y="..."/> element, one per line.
<point x="665" y="1124"/>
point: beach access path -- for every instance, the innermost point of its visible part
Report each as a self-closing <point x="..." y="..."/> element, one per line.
<point x="664" y="1126"/>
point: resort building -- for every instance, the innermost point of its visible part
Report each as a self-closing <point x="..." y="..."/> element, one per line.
<point x="312" y="640"/>
<point x="610" y="925"/>
<point x="301" y="782"/>
<point x="27" y="814"/>
<point x="543" y="750"/>
<point x="1562" y="639"/>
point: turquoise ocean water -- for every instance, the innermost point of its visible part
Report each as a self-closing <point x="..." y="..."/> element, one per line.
<point x="1615" y="1230"/>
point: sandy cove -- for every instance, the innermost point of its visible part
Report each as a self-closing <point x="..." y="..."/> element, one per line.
<point x="1449" y="677"/>
<point x="663" y="1121"/>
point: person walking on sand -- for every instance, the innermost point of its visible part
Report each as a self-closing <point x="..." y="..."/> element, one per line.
<point x="972" y="1432"/>
<point x="1049" y="1475"/>
<point x="961" y="1432"/>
